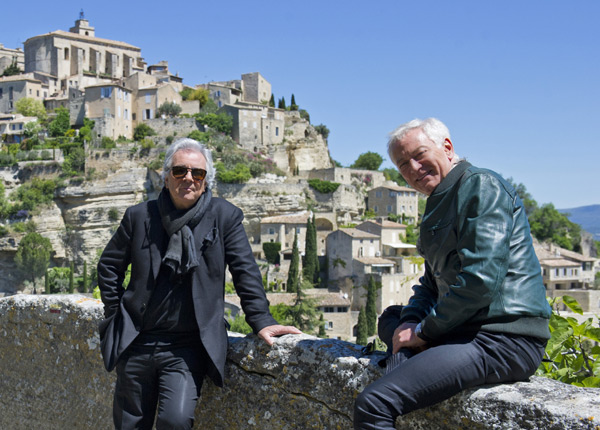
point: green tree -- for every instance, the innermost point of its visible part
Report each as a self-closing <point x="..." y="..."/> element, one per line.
<point x="169" y="109"/>
<point x="293" y="105"/>
<point x="31" y="107"/>
<point x="217" y="121"/>
<point x="71" y="277"/>
<point x="293" y="278"/>
<point x="371" y="309"/>
<point x="12" y="70"/>
<point x="272" y="101"/>
<point x="271" y="250"/>
<point x="392" y="174"/>
<point x="142" y="131"/>
<point x="33" y="256"/>
<point x="281" y="103"/>
<point x="322" y="130"/>
<point x="322" y="333"/>
<point x="34" y="193"/>
<point x="303" y="314"/>
<point x="528" y="202"/>
<point x="200" y="94"/>
<point x="310" y="266"/>
<point x="362" y="328"/>
<point x="368" y="160"/>
<point x="61" y="123"/>
<point x="74" y="163"/>
<point x="549" y="224"/>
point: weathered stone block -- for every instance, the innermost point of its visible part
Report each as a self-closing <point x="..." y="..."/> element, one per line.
<point x="53" y="378"/>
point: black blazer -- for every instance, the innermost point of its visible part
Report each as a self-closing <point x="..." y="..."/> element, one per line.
<point x="220" y="240"/>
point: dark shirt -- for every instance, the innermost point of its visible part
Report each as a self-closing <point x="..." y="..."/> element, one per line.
<point x="169" y="319"/>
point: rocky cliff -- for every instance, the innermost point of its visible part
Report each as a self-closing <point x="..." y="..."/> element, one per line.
<point x="53" y="379"/>
<point x="83" y="216"/>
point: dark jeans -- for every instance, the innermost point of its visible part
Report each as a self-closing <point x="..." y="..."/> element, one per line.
<point x="443" y="370"/>
<point x="148" y="377"/>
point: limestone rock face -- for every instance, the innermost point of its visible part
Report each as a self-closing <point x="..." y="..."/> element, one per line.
<point x="53" y="379"/>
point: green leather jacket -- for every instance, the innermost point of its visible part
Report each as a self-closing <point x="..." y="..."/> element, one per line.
<point x="481" y="271"/>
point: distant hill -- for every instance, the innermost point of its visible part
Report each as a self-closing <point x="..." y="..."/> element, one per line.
<point x="588" y="217"/>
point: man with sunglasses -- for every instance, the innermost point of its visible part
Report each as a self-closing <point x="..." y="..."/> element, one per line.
<point x="166" y="330"/>
<point x="479" y="314"/>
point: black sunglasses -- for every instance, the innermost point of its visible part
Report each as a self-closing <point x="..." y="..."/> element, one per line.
<point x="179" y="172"/>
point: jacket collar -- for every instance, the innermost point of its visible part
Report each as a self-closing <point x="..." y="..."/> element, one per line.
<point x="453" y="175"/>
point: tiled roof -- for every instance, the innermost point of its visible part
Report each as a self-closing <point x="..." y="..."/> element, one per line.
<point x="292" y="218"/>
<point x="358" y="234"/>
<point x="374" y="261"/>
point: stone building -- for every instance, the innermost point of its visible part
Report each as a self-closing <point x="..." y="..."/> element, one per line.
<point x="110" y="106"/>
<point x="10" y="56"/>
<point x="396" y="200"/>
<point x="12" y="127"/>
<point x="256" y="125"/>
<point x="13" y="88"/>
<point x="78" y="58"/>
<point x="565" y="270"/>
<point x="282" y="228"/>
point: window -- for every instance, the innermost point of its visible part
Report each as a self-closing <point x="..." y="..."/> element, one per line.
<point x="389" y="208"/>
<point x="329" y="309"/>
<point x="276" y="129"/>
<point x="0" y="93"/>
<point x="148" y="97"/>
<point x="119" y="111"/>
<point x="271" y="230"/>
<point x="106" y="92"/>
<point x="392" y="194"/>
<point x="378" y="193"/>
<point x="245" y="124"/>
<point x="329" y="325"/>
<point x="126" y="114"/>
<point x="342" y="309"/>
<point x="375" y="209"/>
<point x="254" y="124"/>
<point x="298" y="230"/>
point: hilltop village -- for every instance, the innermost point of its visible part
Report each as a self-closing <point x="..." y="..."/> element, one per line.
<point x="358" y="234"/>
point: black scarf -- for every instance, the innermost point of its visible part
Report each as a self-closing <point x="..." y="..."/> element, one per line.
<point x="181" y="252"/>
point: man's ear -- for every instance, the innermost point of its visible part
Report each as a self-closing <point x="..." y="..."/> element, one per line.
<point x="449" y="148"/>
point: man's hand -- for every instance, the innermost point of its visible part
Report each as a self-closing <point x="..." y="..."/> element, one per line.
<point x="405" y="337"/>
<point x="269" y="333"/>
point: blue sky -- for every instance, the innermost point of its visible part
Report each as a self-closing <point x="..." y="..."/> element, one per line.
<point x="517" y="82"/>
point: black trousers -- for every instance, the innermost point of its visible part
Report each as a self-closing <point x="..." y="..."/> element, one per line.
<point x="443" y="370"/>
<point x="158" y="378"/>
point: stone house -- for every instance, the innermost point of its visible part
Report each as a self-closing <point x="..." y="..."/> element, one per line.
<point x="565" y="270"/>
<point x="340" y="320"/>
<point x="281" y="228"/>
<point x="348" y="176"/>
<point x="12" y="127"/>
<point x="256" y="125"/>
<point x="13" y="88"/>
<point x="110" y="106"/>
<point x="394" y="199"/>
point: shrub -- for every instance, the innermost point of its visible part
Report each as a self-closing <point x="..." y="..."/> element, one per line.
<point x="271" y="250"/>
<point x="113" y="214"/>
<point x="323" y="186"/>
<point x="572" y="354"/>
<point x="142" y="131"/>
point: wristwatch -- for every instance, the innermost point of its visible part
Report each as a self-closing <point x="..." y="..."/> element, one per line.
<point x="419" y="332"/>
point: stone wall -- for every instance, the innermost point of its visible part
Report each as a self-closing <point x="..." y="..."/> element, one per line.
<point x="53" y="378"/>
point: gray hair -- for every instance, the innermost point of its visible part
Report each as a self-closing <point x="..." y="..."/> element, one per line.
<point x="187" y="144"/>
<point x="432" y="128"/>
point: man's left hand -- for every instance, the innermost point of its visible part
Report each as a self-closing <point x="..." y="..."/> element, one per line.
<point x="269" y="333"/>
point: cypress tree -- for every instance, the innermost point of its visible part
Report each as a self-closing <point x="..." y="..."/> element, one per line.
<point x="322" y="333"/>
<point x="272" y="101"/>
<point x="293" y="105"/>
<point x="71" y="278"/>
<point x="85" y="276"/>
<point x="293" y="272"/>
<point x="46" y="282"/>
<point x="361" y="328"/>
<point x="308" y="264"/>
<point x="281" y="103"/>
<point x="371" y="309"/>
